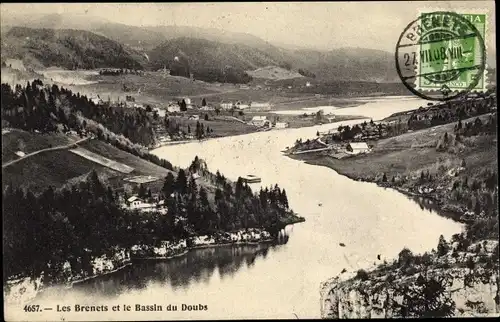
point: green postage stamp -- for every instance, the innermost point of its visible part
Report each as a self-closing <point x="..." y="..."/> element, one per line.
<point x="442" y="54"/>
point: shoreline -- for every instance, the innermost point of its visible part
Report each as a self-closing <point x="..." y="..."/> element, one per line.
<point x="258" y="130"/>
<point x="131" y="259"/>
<point x="449" y="214"/>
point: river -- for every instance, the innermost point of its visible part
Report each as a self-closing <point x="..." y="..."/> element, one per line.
<point x="269" y="281"/>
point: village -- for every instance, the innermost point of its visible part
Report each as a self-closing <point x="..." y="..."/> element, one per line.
<point x="346" y="141"/>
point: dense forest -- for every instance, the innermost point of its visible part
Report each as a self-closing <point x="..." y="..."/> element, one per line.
<point x="35" y="107"/>
<point x="67" y="48"/>
<point x="51" y="109"/>
<point x="85" y="221"/>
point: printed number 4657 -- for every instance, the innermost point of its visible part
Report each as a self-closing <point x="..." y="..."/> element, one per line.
<point x="31" y="308"/>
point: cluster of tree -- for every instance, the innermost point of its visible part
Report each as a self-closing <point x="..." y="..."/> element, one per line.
<point x="306" y="73"/>
<point x="451" y="111"/>
<point x="69" y="225"/>
<point x="35" y="107"/>
<point x="477" y="126"/>
<point x="121" y="71"/>
<point x="365" y="131"/>
<point x="52" y="109"/>
<point x="85" y="221"/>
<point x="233" y="206"/>
<point x="173" y="128"/>
<point x="226" y="75"/>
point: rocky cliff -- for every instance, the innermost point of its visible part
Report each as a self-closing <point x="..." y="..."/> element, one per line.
<point x="458" y="283"/>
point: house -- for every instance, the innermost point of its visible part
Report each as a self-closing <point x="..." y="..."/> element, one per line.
<point x="20" y="154"/>
<point x="357" y="148"/>
<point x="195" y="176"/>
<point x="135" y="202"/>
<point x="308" y="84"/>
<point x="226" y="106"/>
<point x="281" y="125"/>
<point x="330" y="118"/>
<point x="260" y="121"/>
<point x="244" y="87"/>
<point x="241" y="106"/>
<point x="255" y="106"/>
<point x="194" y="117"/>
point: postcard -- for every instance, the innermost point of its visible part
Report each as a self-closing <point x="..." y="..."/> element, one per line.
<point x="255" y="160"/>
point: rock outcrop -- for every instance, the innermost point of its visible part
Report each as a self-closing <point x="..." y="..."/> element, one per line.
<point x="470" y="280"/>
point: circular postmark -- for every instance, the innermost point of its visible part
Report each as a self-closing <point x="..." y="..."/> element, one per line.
<point x="441" y="56"/>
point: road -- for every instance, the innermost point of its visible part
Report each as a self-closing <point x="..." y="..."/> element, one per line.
<point x="59" y="147"/>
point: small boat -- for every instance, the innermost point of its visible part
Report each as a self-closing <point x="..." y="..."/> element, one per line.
<point x="320" y="204"/>
<point x="342" y="244"/>
<point x="251" y="179"/>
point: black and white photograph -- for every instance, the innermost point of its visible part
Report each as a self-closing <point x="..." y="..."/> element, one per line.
<point x="249" y="160"/>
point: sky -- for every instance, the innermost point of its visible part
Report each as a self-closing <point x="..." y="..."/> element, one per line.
<point x="319" y="25"/>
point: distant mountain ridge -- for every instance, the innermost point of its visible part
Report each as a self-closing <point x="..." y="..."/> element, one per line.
<point x="210" y="48"/>
<point x="66" y="48"/>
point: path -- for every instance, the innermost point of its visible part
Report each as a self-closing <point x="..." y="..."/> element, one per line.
<point x="60" y="147"/>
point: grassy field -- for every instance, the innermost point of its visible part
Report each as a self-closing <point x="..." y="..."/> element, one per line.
<point x="19" y="140"/>
<point x="53" y="168"/>
<point x="141" y="166"/>
<point x="410" y="153"/>
<point x="97" y="158"/>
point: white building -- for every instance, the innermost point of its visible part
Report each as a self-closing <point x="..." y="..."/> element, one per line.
<point x="260" y="106"/>
<point x="260" y="121"/>
<point x="226" y="106"/>
<point x="194" y="117"/>
<point x="135" y="202"/>
<point x="242" y="106"/>
<point x="20" y="154"/>
<point x="357" y="148"/>
<point x="281" y="125"/>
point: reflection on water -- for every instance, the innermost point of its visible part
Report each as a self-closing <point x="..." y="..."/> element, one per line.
<point x="272" y="281"/>
<point x="196" y="266"/>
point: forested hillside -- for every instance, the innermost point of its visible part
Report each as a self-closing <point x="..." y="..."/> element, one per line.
<point x="67" y="48"/>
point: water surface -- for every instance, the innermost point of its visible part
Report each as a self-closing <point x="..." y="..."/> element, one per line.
<point x="270" y="281"/>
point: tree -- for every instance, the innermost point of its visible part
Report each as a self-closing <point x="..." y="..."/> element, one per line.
<point x="168" y="185"/>
<point x="142" y="191"/>
<point x="319" y="116"/>
<point x="405" y="257"/>
<point x="206" y="117"/>
<point x="181" y="182"/>
<point x="426" y="298"/>
<point x="443" y="247"/>
<point x="203" y="102"/>
<point x="384" y="178"/>
<point x="183" y="105"/>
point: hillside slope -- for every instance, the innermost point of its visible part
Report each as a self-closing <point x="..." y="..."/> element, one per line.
<point x="202" y="53"/>
<point x="66" y="48"/>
